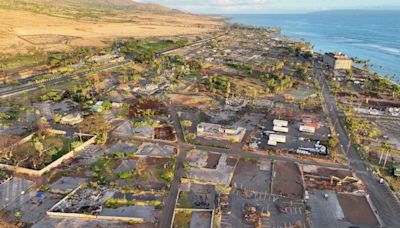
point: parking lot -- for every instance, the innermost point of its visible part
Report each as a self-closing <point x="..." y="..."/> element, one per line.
<point x="263" y="202"/>
<point x="253" y="175"/>
<point x="295" y="139"/>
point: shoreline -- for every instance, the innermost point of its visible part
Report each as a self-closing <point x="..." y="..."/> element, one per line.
<point x="356" y="45"/>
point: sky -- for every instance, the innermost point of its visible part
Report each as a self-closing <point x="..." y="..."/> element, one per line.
<point x="273" y="6"/>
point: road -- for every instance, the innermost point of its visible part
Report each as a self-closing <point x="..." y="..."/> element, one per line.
<point x="14" y="90"/>
<point x="169" y="204"/>
<point x="383" y="200"/>
<point x="29" y="85"/>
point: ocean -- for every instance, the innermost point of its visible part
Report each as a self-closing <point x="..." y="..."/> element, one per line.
<point x="368" y="35"/>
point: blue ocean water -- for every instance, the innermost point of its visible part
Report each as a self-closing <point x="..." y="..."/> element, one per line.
<point x="369" y="35"/>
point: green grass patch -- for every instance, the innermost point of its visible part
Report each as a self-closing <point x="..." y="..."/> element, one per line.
<point x="18" y="60"/>
<point x="116" y="203"/>
<point x="182" y="219"/>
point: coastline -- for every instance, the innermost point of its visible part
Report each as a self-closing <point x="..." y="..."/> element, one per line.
<point x="358" y="41"/>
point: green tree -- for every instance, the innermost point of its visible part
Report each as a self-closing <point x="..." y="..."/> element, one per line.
<point x="333" y="142"/>
<point x="186" y="123"/>
<point x="39" y="147"/>
<point x="107" y="105"/>
<point x="96" y="124"/>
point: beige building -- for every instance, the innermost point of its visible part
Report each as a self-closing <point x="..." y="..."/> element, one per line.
<point x="338" y="61"/>
<point x="216" y="131"/>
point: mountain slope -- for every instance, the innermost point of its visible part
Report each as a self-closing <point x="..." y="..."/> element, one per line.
<point x="84" y="9"/>
<point x="54" y="25"/>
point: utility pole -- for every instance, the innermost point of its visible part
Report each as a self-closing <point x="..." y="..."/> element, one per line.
<point x="387" y="154"/>
<point x="380" y="159"/>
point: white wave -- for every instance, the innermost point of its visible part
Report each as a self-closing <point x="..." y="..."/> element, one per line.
<point x="393" y="51"/>
<point x="343" y="39"/>
<point x="304" y="34"/>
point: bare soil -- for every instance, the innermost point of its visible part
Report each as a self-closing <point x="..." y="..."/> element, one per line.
<point x="138" y="107"/>
<point x="333" y="172"/>
<point x="21" y="30"/>
<point x="287" y="180"/>
<point x="357" y="210"/>
<point x="230" y="161"/>
<point x="8" y="140"/>
<point x="164" y="133"/>
<point x="212" y="160"/>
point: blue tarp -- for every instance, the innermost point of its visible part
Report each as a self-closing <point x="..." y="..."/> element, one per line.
<point x="40" y="195"/>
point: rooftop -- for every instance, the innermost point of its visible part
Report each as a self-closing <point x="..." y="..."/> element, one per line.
<point x="338" y="55"/>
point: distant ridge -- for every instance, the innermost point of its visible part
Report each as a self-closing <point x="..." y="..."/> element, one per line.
<point x="116" y="3"/>
<point x="60" y="25"/>
<point x="66" y="7"/>
<point x="353" y="11"/>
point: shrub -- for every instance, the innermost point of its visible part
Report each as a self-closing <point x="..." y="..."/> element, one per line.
<point x="125" y="175"/>
<point x="75" y="144"/>
<point x="186" y="123"/>
<point x="106" y="105"/>
<point x="119" y="154"/>
<point x="167" y="176"/>
<point x="57" y="118"/>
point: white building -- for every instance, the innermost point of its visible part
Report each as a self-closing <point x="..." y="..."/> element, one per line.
<point x="338" y="61"/>
<point x="216" y="131"/>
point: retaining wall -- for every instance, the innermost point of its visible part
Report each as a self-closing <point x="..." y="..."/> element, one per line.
<point x="32" y="172"/>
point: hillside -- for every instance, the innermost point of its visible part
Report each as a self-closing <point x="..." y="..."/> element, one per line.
<point x="84" y="9"/>
<point x="52" y="25"/>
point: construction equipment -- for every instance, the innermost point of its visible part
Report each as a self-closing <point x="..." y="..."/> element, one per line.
<point x="340" y="182"/>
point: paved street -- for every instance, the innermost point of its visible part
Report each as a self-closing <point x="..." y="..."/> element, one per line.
<point x="166" y="218"/>
<point x="384" y="201"/>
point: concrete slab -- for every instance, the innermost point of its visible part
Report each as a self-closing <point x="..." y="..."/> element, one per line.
<point x="122" y="147"/>
<point x="125" y="130"/>
<point x="253" y="175"/>
<point x="150" y="149"/>
<point x="326" y="212"/>
<point x="50" y="222"/>
<point x="11" y="192"/>
<point x="143" y="132"/>
<point x="144" y="212"/>
<point x="201" y="219"/>
<point x="126" y="165"/>
<point x="65" y="184"/>
<point x="222" y="174"/>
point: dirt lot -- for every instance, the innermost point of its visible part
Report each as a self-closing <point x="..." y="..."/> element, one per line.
<point x="325" y="172"/>
<point x="165" y="133"/>
<point x="139" y="107"/>
<point x="147" y="174"/>
<point x="89" y="33"/>
<point x="319" y="178"/>
<point x="287" y="180"/>
<point x="357" y="209"/>
<point x="200" y="102"/>
<point x="8" y="140"/>
<point x="212" y="160"/>
<point x="248" y="175"/>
